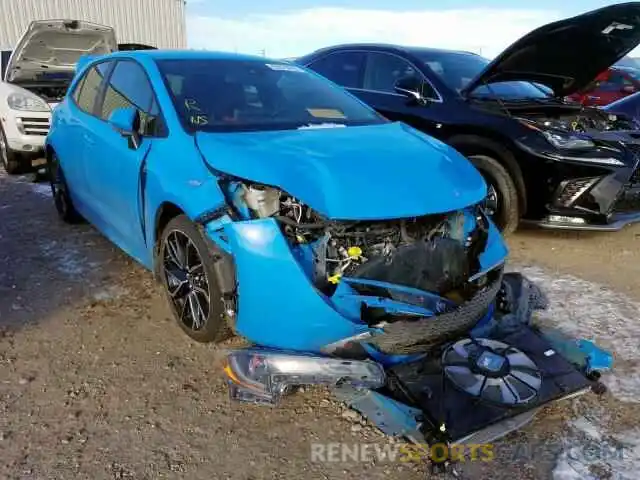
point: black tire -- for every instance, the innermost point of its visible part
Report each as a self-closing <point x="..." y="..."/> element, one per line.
<point x="184" y="282"/>
<point x="506" y="211"/>
<point x="61" y="193"/>
<point x="12" y="161"/>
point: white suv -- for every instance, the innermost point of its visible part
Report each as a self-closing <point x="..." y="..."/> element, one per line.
<point x="37" y="76"/>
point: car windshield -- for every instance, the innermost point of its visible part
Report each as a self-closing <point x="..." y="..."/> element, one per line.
<point x="457" y="69"/>
<point x="229" y="95"/>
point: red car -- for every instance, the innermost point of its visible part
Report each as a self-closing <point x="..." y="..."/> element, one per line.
<point x="611" y="85"/>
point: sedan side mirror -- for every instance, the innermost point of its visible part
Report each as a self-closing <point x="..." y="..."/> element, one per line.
<point x="126" y="121"/>
<point x="410" y="87"/>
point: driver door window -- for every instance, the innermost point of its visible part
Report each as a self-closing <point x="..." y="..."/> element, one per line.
<point x="383" y="70"/>
<point x="130" y="87"/>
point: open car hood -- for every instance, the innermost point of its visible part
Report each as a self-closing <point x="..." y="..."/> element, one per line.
<point x="371" y="172"/>
<point x="566" y="55"/>
<point x="54" y="47"/>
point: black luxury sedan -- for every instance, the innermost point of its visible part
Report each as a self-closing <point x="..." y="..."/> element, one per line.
<point x="546" y="160"/>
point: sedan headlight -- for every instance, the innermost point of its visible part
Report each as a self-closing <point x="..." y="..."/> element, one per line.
<point x="27" y="102"/>
<point x="567" y="141"/>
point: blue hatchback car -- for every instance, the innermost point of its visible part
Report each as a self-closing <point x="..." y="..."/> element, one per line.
<point x="254" y="187"/>
<point x="346" y="248"/>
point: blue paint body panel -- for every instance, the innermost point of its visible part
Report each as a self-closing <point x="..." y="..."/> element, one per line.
<point x="357" y="173"/>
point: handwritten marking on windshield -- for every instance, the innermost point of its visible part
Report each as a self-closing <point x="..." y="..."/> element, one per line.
<point x="191" y="104"/>
<point x="199" y="119"/>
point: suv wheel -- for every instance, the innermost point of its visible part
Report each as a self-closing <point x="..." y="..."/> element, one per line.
<point x="11" y="160"/>
<point x="502" y="196"/>
<point x="60" y="192"/>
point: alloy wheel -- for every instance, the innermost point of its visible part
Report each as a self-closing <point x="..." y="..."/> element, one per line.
<point x="186" y="280"/>
<point x="58" y="190"/>
<point x="492" y="201"/>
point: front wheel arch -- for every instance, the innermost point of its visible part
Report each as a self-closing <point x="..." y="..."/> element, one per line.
<point x="225" y="273"/>
<point x="218" y="326"/>
<point x="470" y="144"/>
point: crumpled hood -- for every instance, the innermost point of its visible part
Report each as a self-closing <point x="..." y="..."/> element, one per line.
<point x="353" y="173"/>
<point x="54" y="46"/>
<point x="568" y="54"/>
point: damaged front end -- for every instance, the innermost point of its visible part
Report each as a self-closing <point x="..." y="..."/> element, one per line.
<point x="410" y="321"/>
<point x="339" y="278"/>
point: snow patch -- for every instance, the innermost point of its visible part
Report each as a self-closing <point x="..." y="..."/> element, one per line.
<point x="591" y="455"/>
<point x="68" y="261"/>
<point x="42" y="189"/>
<point x="585" y="426"/>
<point x="589" y="310"/>
<point x="109" y="293"/>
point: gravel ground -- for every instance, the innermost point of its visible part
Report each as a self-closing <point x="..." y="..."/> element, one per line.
<point x="96" y="380"/>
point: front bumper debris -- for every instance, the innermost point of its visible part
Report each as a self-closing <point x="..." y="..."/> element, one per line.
<point x="262" y="377"/>
<point x="413" y="397"/>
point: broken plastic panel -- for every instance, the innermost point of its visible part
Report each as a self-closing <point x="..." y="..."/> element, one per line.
<point x="263" y="376"/>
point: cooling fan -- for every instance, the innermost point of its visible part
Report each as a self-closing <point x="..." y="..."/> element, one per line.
<point x="492" y="371"/>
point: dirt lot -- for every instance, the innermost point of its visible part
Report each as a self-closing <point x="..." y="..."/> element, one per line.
<point x="96" y="381"/>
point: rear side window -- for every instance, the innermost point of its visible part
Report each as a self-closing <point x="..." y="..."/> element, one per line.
<point x="343" y="68"/>
<point x="88" y="88"/>
<point x="130" y="87"/>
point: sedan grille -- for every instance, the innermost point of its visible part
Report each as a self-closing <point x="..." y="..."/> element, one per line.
<point x="572" y="190"/>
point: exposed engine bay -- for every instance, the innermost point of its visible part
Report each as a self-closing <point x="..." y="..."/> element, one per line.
<point x="562" y="116"/>
<point x="50" y="92"/>
<point x="585" y="120"/>
<point x="571" y="118"/>
<point x="431" y="253"/>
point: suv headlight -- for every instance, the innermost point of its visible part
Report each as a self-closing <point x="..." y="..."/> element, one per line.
<point x="567" y="141"/>
<point x="27" y="102"/>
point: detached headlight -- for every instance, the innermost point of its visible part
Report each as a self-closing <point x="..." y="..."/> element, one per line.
<point x="567" y="141"/>
<point x="27" y="102"/>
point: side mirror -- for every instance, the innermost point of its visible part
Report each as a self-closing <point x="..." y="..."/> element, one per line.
<point x="411" y="88"/>
<point x="126" y="121"/>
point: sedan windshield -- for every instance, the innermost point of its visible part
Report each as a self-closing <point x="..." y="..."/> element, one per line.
<point x="228" y="95"/>
<point x="457" y="69"/>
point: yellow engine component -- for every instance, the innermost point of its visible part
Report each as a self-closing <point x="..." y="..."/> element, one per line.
<point x="335" y="279"/>
<point x="455" y="296"/>
<point x="354" y="252"/>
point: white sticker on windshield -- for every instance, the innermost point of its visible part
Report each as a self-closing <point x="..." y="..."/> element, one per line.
<point x="281" y="67"/>
<point x="313" y="126"/>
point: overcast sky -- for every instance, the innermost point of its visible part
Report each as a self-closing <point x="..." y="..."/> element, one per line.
<point x="285" y="28"/>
